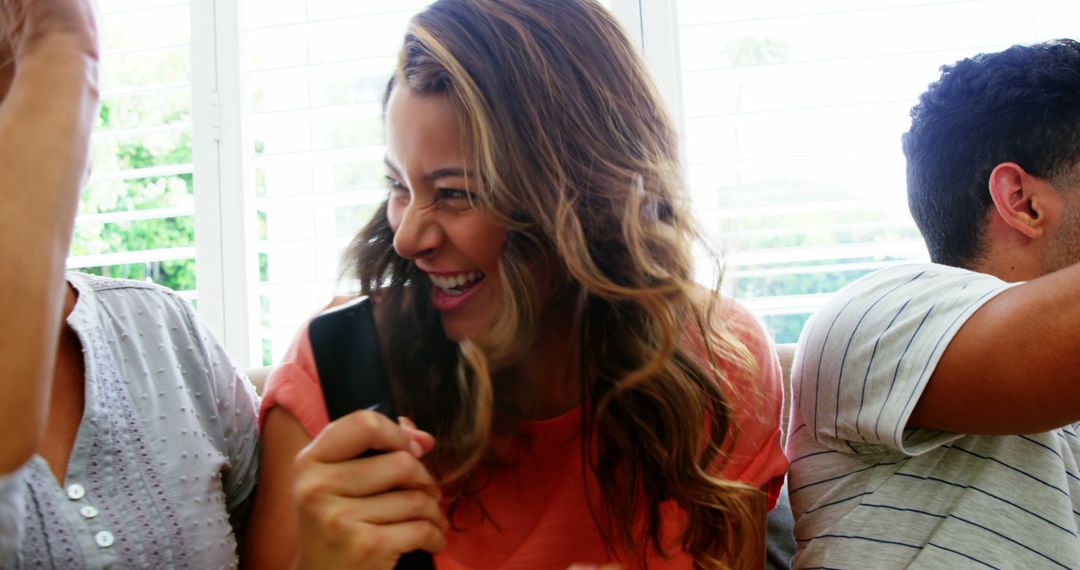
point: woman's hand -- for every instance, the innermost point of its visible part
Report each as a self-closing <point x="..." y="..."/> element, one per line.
<point x="30" y="25"/>
<point x="57" y="28"/>
<point x="366" y="512"/>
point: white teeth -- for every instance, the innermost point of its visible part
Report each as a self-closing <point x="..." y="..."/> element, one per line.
<point x="451" y="283"/>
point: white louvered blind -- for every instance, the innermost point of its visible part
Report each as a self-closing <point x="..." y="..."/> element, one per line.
<point x="793" y="113"/>
<point x="314" y="72"/>
<point x="136" y="218"/>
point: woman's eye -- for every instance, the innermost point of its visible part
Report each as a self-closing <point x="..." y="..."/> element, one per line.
<point x="453" y="194"/>
<point x="395" y="185"/>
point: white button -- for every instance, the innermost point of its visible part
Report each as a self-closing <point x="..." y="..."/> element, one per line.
<point x="88" y="512"/>
<point x="104" y="539"/>
<point x="76" y="492"/>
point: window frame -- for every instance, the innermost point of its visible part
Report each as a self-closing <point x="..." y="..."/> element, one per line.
<point x="224" y="269"/>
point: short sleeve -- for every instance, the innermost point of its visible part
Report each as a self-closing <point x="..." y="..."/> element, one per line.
<point x="12" y="513"/>
<point x="757" y="457"/>
<point x="238" y="408"/>
<point x="294" y="386"/>
<point x="864" y="360"/>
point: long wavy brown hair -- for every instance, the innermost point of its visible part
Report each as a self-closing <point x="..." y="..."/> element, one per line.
<point x="571" y="149"/>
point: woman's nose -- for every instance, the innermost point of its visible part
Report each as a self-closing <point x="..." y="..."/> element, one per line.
<point x="418" y="235"/>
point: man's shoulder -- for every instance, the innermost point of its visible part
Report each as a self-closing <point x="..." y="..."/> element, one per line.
<point x="919" y="275"/>
<point x="903" y="314"/>
<point x="884" y="292"/>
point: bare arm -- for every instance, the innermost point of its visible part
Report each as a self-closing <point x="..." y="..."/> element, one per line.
<point x="272" y="531"/>
<point x="48" y="96"/>
<point x="1014" y="366"/>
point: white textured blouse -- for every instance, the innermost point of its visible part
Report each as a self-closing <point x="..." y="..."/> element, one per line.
<point x="166" y="455"/>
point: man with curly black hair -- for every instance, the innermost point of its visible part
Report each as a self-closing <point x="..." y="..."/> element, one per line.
<point x="935" y="409"/>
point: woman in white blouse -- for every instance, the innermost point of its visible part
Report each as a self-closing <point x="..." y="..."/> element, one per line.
<point x="130" y="439"/>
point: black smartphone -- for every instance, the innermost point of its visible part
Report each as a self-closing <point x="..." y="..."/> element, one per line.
<point x="345" y="344"/>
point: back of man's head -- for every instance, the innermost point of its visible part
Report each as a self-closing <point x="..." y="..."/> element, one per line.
<point x="1020" y="105"/>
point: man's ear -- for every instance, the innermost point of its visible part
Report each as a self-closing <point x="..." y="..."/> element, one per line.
<point x="1019" y="199"/>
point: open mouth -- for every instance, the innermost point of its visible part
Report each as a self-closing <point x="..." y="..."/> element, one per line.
<point x="454" y="285"/>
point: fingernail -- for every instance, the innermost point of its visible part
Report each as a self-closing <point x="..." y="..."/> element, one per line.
<point x="415" y="449"/>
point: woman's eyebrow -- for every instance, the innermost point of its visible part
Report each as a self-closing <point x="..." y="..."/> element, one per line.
<point x="430" y="177"/>
<point x="450" y="172"/>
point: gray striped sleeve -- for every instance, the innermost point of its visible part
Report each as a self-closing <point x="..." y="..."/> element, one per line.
<point x="868" y="355"/>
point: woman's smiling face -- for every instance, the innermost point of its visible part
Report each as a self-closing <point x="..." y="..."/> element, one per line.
<point x="434" y="221"/>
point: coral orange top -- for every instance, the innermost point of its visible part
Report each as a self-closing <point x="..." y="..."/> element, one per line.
<point x="540" y="503"/>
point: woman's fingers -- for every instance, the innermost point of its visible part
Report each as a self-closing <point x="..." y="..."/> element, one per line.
<point x="409" y="536"/>
<point x="332" y="466"/>
<point x="352" y="435"/>
<point x="398" y="507"/>
<point x="369" y="531"/>
<point x="425" y="440"/>
<point x="366" y="510"/>
<point x="363" y="477"/>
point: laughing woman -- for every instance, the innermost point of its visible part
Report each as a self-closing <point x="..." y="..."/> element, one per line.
<point x="577" y="398"/>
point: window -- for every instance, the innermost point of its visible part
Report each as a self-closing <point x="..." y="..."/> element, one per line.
<point x="792" y="114"/>
<point x="136" y="218"/>
<point x="239" y="147"/>
<point x="313" y="79"/>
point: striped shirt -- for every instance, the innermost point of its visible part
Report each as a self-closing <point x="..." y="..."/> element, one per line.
<point x="866" y="491"/>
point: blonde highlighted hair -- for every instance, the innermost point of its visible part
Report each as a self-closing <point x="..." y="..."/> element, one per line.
<point x="569" y="147"/>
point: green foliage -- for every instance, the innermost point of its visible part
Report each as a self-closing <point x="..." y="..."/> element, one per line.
<point x="267" y="352"/>
<point x="107" y="195"/>
<point x="173" y="274"/>
<point x="795" y="283"/>
<point x="810" y="228"/>
<point x="785" y="328"/>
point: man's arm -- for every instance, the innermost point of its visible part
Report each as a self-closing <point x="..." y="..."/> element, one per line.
<point x="1014" y="366"/>
<point x="48" y="97"/>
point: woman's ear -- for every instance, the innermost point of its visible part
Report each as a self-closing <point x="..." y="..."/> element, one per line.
<point x="1019" y="199"/>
